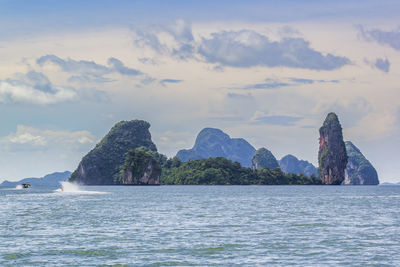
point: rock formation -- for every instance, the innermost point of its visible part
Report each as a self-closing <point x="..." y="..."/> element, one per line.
<point x="291" y="164"/>
<point x="332" y="157"/>
<point x="359" y="170"/>
<point x="212" y="143"/>
<point x="102" y="165"/>
<point x="263" y="158"/>
<point x="140" y="168"/>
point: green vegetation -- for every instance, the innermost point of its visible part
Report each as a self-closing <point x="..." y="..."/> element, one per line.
<point x="291" y="164"/>
<point x="137" y="162"/>
<point x="102" y="164"/>
<point x="332" y="157"/>
<point x="359" y="170"/>
<point x="331" y="121"/>
<point x="322" y="157"/>
<point x="221" y="171"/>
<point x="263" y="158"/>
<point x="126" y="155"/>
<point x="212" y="143"/>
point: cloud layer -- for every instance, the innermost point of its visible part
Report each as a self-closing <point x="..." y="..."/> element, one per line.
<point x="243" y="49"/>
<point x="30" y="138"/>
<point x="34" y="87"/>
<point x="390" y="38"/>
<point x="164" y="82"/>
<point x="382" y="64"/>
<point x="247" y="48"/>
<point x="278" y="83"/>
<point x="87" y="71"/>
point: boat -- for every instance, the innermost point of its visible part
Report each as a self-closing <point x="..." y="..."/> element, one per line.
<point x="26" y="185"/>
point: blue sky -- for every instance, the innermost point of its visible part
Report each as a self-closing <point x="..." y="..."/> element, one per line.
<point x="267" y="71"/>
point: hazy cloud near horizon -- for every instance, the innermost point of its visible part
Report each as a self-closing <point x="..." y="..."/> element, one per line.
<point x="270" y="83"/>
<point x="34" y="87"/>
<point x="30" y="138"/>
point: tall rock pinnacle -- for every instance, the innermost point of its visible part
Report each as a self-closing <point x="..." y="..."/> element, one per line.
<point x="332" y="156"/>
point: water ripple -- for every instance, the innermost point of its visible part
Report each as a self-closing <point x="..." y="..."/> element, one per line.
<point x="201" y="225"/>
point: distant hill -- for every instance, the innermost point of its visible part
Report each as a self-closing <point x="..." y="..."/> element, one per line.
<point x="50" y="180"/>
<point x="263" y="158"/>
<point x="359" y="171"/>
<point x="222" y="171"/>
<point x="386" y="183"/>
<point x="212" y="143"/>
<point x="291" y="164"/>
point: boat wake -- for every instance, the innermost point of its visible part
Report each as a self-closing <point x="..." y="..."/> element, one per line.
<point x="71" y="188"/>
<point x="18" y="187"/>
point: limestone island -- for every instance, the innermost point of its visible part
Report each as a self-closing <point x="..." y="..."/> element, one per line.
<point x="128" y="156"/>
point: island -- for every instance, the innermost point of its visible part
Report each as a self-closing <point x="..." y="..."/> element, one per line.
<point x="126" y="155"/>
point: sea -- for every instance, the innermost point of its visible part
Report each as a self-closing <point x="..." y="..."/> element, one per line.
<point x="200" y="226"/>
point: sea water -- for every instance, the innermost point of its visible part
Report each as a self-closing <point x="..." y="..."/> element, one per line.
<point x="201" y="225"/>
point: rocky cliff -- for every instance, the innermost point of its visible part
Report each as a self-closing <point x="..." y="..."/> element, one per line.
<point x="102" y="165"/>
<point x="263" y="158"/>
<point x="332" y="156"/>
<point x="140" y="168"/>
<point x="212" y="143"/>
<point x="291" y="164"/>
<point x="359" y="170"/>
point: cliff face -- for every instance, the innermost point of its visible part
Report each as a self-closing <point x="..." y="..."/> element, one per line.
<point x="291" y="164"/>
<point x="263" y="158"/>
<point x="332" y="156"/>
<point x="102" y="165"/>
<point x="359" y="170"/>
<point x="212" y="143"/>
<point x="140" y="168"/>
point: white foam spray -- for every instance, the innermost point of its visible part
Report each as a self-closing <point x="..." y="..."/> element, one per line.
<point x="67" y="187"/>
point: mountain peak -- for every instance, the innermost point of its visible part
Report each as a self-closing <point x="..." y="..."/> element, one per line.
<point x="291" y="164"/>
<point x="101" y="166"/>
<point x="213" y="142"/>
<point x="332" y="157"/>
<point x="359" y="171"/>
<point x="263" y="158"/>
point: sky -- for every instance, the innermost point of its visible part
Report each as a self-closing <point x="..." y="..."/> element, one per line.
<point x="266" y="71"/>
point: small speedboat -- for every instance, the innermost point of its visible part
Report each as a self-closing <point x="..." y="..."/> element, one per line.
<point x="26" y="185"/>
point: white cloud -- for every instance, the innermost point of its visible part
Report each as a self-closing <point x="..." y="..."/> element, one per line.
<point x="169" y="142"/>
<point x="35" y="88"/>
<point x="376" y="125"/>
<point x="20" y="91"/>
<point x="30" y="138"/>
<point x="174" y="39"/>
<point x="42" y="151"/>
<point x="27" y="138"/>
